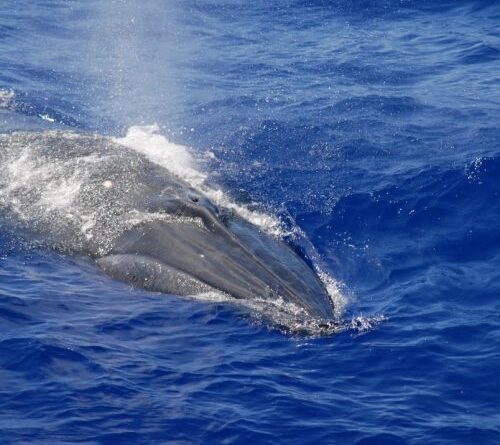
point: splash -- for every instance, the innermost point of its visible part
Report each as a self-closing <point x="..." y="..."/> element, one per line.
<point x="7" y="99"/>
<point x="178" y="160"/>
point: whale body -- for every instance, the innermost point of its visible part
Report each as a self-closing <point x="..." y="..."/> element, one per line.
<point x="85" y="193"/>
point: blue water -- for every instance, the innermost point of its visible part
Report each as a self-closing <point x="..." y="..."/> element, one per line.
<point x="373" y="124"/>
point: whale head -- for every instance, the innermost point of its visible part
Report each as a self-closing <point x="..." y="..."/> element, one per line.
<point x="144" y="224"/>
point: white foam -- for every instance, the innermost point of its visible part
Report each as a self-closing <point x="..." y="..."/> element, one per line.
<point x="20" y="172"/>
<point x="61" y="194"/>
<point x="214" y="296"/>
<point x="47" y="118"/>
<point x="31" y="185"/>
<point x="174" y="157"/>
<point x="339" y="300"/>
<point x="7" y="98"/>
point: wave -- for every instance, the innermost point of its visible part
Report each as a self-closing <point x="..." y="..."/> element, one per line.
<point x="377" y="7"/>
<point x="437" y="216"/>
<point x="21" y="103"/>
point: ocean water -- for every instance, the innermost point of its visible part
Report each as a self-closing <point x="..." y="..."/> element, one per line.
<point x="370" y="126"/>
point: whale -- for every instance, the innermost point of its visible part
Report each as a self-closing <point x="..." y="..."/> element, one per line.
<point x="144" y="225"/>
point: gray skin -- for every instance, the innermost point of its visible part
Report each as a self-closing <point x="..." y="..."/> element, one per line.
<point x="226" y="253"/>
<point x="147" y="226"/>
